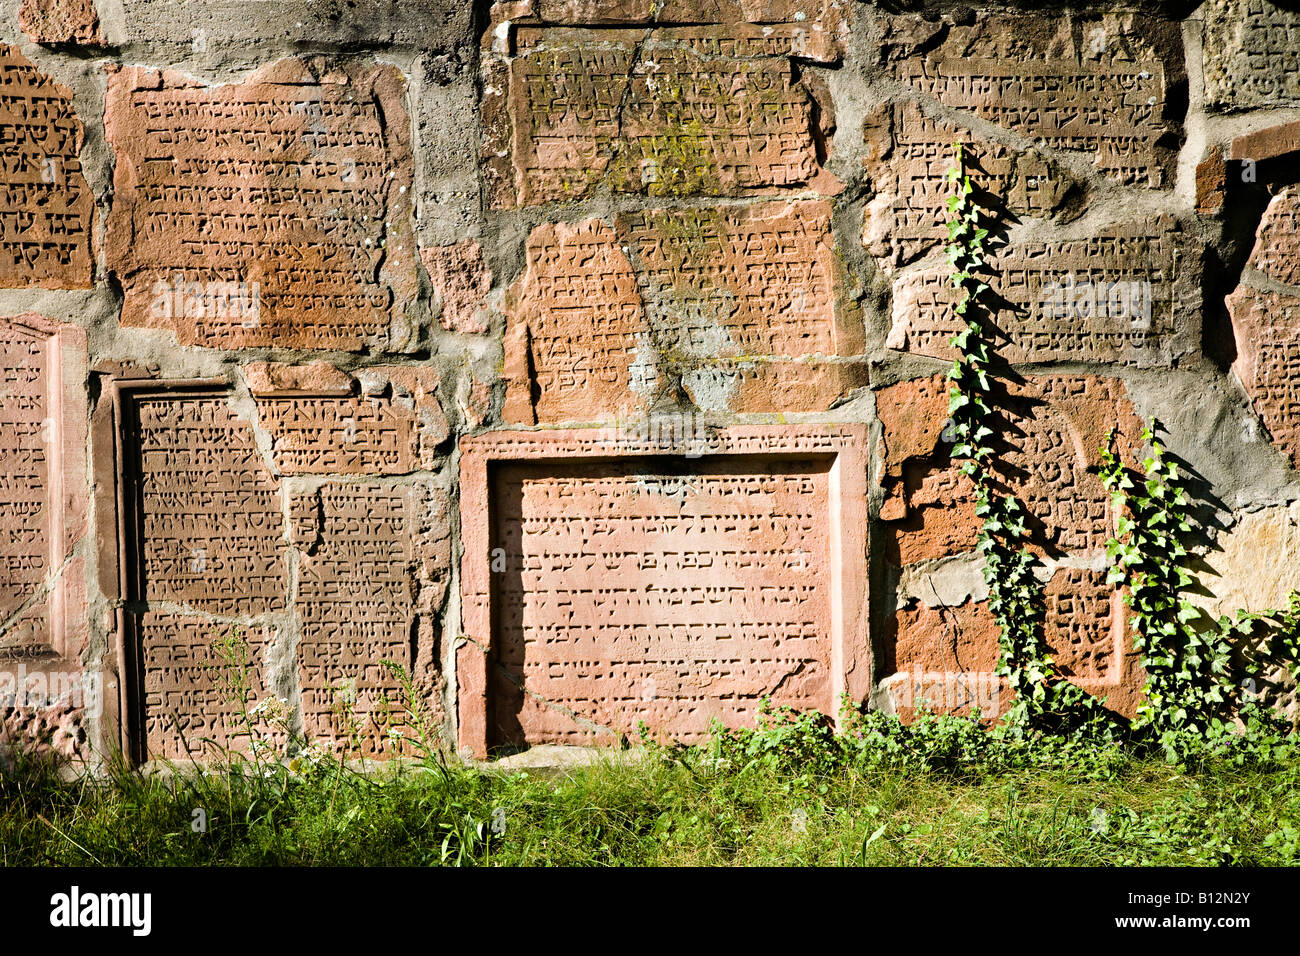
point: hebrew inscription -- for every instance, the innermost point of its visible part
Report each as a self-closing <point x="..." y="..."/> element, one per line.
<point x="669" y="112"/>
<point x="42" y="487"/>
<point x="711" y="304"/>
<point x="269" y="213"/>
<point x="1251" y="54"/>
<point x="639" y="594"/>
<point x="357" y="595"/>
<point x="1125" y="295"/>
<point x="909" y="154"/>
<point x="45" y="217"/>
<point x="1096" y="84"/>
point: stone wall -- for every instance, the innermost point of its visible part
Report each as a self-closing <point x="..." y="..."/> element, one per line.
<point x="584" y="358"/>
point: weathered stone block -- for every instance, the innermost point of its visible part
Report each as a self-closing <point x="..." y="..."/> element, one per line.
<point x="1093" y="83"/>
<point x="274" y="213"/>
<point x="631" y="587"/>
<point x="670" y="111"/>
<point x="1058" y="424"/>
<point x="1127" y="295"/>
<point x="709" y="305"/>
<point x="45" y="215"/>
<point x="321" y="420"/>
<point x="1251" y="51"/>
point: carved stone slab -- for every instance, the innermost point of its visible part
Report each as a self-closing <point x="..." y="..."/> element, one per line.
<point x="666" y="111"/>
<point x="1097" y="83"/>
<point x="43" y="490"/>
<point x="1127" y="294"/>
<point x="734" y="309"/>
<point x="45" y="216"/>
<point x="275" y="212"/>
<point x="617" y="579"/>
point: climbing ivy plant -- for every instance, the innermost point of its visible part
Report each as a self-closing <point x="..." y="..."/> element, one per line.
<point x="1043" y="700"/>
<point x="1202" y="674"/>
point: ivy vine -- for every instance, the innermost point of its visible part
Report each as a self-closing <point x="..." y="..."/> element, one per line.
<point x="1043" y="699"/>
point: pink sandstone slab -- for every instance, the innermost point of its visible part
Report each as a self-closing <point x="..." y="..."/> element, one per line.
<point x="279" y="214"/>
<point x="47" y="209"/>
<point x="669" y="579"/>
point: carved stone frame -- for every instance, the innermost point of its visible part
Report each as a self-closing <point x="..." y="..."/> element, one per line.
<point x="844" y="444"/>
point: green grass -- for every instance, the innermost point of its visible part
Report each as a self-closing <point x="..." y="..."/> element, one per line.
<point x="743" y="800"/>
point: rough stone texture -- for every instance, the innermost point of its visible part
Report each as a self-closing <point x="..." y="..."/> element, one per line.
<point x="715" y="229"/>
<point x="61" y="21"/>
<point x="324" y="580"/>
<point x="1251" y="54"/>
<point x="461" y="281"/>
<point x="1059" y="424"/>
<point x="1267" y="143"/>
<point x="1265" y="312"/>
<point x="380" y="420"/>
<point x="908" y="154"/>
<point x="711" y="306"/>
<point x="45" y="218"/>
<point x="1126" y="295"/>
<point x="372" y="558"/>
<point x="43" y="492"/>
<point x="273" y="212"/>
<point x="668" y="111"/>
<point x="1096" y="83"/>
<point x="718" y="583"/>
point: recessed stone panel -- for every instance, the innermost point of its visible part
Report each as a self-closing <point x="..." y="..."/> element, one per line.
<point x="45" y="217"/>
<point x="43" y="491"/>
<point x="1127" y="294"/>
<point x="647" y="585"/>
<point x="1097" y="83"/>
<point x="1251" y="54"/>
<point x="733" y="309"/>
<point x="269" y="213"/>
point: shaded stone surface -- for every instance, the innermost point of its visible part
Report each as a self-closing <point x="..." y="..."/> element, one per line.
<point x="944" y="659"/>
<point x="273" y="212"/>
<point x="1126" y="295"/>
<point x="1265" y="311"/>
<point x="1093" y="83"/>
<point x="707" y="305"/>
<point x="1251" y="54"/>
<point x="1058" y="425"/>
<point x="661" y="588"/>
<point x="908" y="155"/>
<point x="45" y="215"/>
